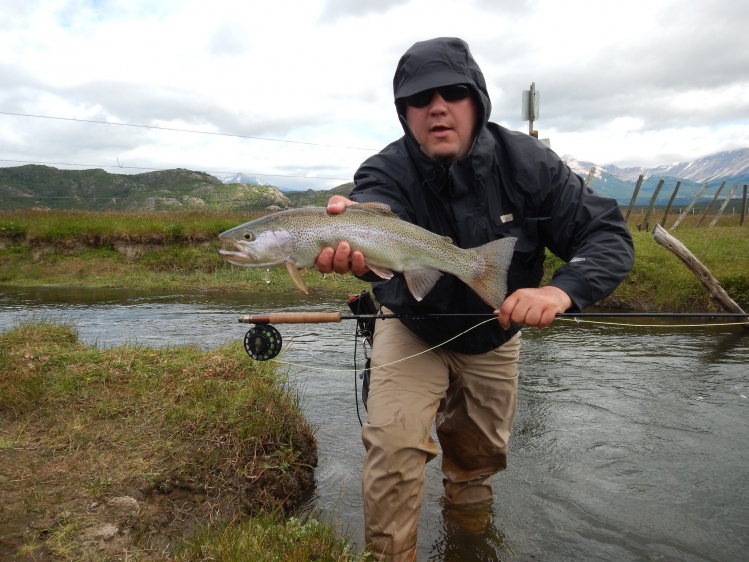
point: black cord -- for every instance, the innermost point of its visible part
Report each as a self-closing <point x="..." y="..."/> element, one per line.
<point x="356" y="375"/>
<point x="364" y="309"/>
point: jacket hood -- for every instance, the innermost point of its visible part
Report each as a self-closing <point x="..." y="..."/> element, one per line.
<point x="439" y="62"/>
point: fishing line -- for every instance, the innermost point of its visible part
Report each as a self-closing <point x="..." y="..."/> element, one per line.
<point x="313" y="367"/>
<point x="631" y="325"/>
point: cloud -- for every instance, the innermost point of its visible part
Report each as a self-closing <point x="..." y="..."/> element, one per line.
<point x="335" y="10"/>
<point x="619" y="82"/>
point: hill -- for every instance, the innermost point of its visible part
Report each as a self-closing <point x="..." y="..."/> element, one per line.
<point x="312" y="198"/>
<point x="43" y="187"/>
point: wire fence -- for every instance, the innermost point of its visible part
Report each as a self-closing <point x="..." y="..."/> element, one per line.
<point x="702" y="204"/>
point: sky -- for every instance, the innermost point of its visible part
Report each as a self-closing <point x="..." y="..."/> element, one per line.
<point x="298" y="93"/>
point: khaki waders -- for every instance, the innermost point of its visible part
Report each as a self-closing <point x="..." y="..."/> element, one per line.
<point x="472" y="399"/>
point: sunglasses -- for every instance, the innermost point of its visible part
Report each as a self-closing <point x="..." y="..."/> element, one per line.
<point x="454" y="92"/>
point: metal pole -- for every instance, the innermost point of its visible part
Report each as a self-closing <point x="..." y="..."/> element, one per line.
<point x="531" y="107"/>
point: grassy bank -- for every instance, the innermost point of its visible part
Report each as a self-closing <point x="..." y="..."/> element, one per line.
<point x="178" y="250"/>
<point x="141" y="454"/>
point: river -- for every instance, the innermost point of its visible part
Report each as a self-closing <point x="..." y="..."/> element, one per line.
<point x="630" y="443"/>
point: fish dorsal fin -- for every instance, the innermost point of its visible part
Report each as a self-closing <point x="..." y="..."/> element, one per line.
<point x="296" y="277"/>
<point x="421" y="281"/>
<point x="378" y="208"/>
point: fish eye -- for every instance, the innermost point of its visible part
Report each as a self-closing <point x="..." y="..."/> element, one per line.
<point x="248" y="235"/>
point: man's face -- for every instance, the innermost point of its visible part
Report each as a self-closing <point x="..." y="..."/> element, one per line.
<point x="443" y="129"/>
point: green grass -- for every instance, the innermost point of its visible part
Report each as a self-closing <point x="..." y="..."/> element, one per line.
<point x="270" y="538"/>
<point x="179" y="250"/>
<point x="207" y="438"/>
<point x="660" y="281"/>
<point x="96" y="228"/>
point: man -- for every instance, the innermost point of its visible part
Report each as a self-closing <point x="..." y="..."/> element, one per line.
<point x="458" y="175"/>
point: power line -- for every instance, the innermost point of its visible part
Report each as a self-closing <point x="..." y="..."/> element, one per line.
<point x="163" y="169"/>
<point x="183" y="130"/>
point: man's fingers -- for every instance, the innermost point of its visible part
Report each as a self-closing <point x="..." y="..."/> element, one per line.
<point x="531" y="307"/>
<point x="337" y="204"/>
<point x="324" y="260"/>
<point x="358" y="263"/>
<point x="506" y="311"/>
<point x="341" y="260"/>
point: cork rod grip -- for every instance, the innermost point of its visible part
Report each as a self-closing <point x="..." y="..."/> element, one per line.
<point x="290" y="318"/>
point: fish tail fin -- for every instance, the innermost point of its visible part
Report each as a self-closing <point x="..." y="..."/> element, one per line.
<point x="490" y="282"/>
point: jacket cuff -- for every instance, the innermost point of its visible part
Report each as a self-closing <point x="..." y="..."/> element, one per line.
<point x="369" y="277"/>
<point x="576" y="286"/>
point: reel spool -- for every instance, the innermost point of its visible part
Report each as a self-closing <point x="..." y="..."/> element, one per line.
<point x="262" y="342"/>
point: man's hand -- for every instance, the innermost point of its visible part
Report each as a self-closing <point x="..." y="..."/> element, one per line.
<point x="533" y="307"/>
<point x="342" y="259"/>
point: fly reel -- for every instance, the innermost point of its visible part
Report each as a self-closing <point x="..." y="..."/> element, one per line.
<point x="262" y="342"/>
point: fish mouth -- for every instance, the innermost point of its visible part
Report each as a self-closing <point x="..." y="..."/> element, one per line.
<point x="242" y="255"/>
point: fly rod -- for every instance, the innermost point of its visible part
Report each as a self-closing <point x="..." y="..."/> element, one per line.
<point x="263" y="341"/>
<point x="328" y="317"/>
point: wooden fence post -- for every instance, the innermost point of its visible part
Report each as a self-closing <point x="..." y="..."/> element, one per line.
<point x="689" y="207"/>
<point x="743" y="207"/>
<point x="714" y="289"/>
<point x="652" y="205"/>
<point x="634" y="197"/>
<point x="710" y="206"/>
<point x="589" y="179"/>
<point x="724" y="205"/>
<point x="670" y="202"/>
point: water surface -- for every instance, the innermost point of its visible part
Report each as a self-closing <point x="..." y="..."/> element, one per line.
<point x="630" y="443"/>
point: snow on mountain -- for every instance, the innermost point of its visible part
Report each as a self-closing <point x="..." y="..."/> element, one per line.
<point x="580" y="167"/>
<point x="241" y="178"/>
<point x="728" y="164"/>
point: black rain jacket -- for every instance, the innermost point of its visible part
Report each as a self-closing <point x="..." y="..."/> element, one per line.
<point x="509" y="184"/>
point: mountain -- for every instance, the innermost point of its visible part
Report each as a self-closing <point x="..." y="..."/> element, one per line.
<point x="44" y="187"/>
<point x="731" y="167"/>
<point x="241" y="178"/>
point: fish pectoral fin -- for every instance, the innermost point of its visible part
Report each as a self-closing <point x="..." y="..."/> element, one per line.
<point x="382" y="272"/>
<point x="296" y="277"/>
<point x="421" y="281"/>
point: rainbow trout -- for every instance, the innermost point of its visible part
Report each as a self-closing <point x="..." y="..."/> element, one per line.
<point x="295" y="237"/>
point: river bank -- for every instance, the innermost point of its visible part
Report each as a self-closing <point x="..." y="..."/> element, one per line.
<point x="179" y="250"/>
<point x="138" y="453"/>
